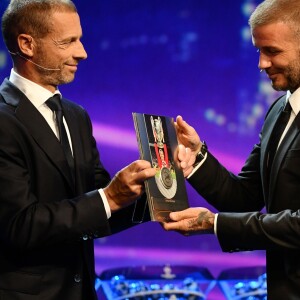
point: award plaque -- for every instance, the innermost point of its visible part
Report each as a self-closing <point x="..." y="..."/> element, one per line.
<point x="157" y="141"/>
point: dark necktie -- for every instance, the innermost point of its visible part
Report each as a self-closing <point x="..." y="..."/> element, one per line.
<point x="54" y="104"/>
<point x="277" y="133"/>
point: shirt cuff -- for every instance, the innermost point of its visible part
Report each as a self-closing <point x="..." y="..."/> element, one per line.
<point x="198" y="166"/>
<point x="105" y="203"/>
<point x="215" y="224"/>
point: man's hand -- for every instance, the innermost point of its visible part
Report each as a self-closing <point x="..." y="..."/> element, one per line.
<point x="186" y="159"/>
<point x="187" y="135"/>
<point x="128" y="184"/>
<point x="196" y="220"/>
<point x="189" y="145"/>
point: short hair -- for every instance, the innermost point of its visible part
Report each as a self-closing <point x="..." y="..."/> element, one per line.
<point x="274" y="11"/>
<point x="32" y="17"/>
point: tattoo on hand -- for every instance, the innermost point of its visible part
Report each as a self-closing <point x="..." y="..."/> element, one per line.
<point x="204" y="222"/>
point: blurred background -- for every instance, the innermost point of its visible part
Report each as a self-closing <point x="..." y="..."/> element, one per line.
<point x="169" y="57"/>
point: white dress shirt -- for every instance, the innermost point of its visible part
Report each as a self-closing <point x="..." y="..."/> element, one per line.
<point x="295" y="104"/>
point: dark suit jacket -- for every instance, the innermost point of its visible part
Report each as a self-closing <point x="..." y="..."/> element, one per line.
<point x="278" y="231"/>
<point x="48" y="223"/>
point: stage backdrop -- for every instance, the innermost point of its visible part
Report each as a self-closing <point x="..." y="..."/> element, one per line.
<point x="189" y="57"/>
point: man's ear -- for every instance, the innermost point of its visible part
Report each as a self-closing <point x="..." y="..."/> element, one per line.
<point x="26" y="45"/>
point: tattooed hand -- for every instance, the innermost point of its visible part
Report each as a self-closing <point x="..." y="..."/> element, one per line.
<point x="196" y="220"/>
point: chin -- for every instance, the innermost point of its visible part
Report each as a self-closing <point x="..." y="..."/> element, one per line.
<point x="66" y="80"/>
<point x="277" y="86"/>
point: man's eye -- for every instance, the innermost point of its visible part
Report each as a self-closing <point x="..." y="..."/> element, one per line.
<point x="273" y="51"/>
<point x="67" y="42"/>
<point x="269" y="51"/>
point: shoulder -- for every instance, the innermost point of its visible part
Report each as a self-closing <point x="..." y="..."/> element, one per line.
<point x="7" y="111"/>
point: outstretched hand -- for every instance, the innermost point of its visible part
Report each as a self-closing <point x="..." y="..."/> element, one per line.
<point x="128" y="184"/>
<point x="195" y="220"/>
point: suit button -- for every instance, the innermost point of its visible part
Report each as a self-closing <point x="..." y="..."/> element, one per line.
<point x="77" y="278"/>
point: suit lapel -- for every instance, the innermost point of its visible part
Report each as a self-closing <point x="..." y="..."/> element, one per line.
<point x="38" y="128"/>
<point x="266" y="133"/>
<point x="282" y="150"/>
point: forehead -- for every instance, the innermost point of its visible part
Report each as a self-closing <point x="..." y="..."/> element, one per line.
<point x="66" y="24"/>
<point x="273" y="35"/>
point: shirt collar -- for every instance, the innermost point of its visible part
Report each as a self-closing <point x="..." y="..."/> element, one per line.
<point x="294" y="100"/>
<point x="34" y="92"/>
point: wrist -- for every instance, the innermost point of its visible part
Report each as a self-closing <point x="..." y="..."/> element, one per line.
<point x="200" y="155"/>
<point x="110" y="200"/>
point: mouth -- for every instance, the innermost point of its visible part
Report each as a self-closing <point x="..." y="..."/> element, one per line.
<point x="72" y="67"/>
<point x="272" y="76"/>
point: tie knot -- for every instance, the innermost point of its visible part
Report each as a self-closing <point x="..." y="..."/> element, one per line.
<point x="54" y="103"/>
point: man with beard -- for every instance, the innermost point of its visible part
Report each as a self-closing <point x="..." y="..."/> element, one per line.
<point x="270" y="177"/>
<point x="55" y="195"/>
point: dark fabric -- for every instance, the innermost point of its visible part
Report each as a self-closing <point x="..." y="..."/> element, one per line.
<point x="54" y="104"/>
<point x="277" y="133"/>
<point x="241" y="223"/>
<point x="47" y="225"/>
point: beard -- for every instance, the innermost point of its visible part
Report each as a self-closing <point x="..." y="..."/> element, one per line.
<point x="52" y="72"/>
<point x="292" y="77"/>
<point x="56" y="77"/>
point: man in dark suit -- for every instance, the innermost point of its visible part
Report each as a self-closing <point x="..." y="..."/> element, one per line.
<point x="51" y="207"/>
<point x="240" y="225"/>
